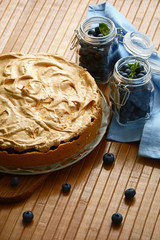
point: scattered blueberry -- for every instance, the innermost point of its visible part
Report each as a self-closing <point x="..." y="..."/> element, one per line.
<point x="14" y="181"/>
<point x="130" y="193"/>
<point x="117" y="218"/>
<point x="66" y="187"/>
<point x="108" y="158"/>
<point x="28" y="216"/>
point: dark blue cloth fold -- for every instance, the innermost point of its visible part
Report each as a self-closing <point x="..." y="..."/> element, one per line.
<point x="147" y="132"/>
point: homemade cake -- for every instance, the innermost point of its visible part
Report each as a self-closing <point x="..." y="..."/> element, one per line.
<point x="49" y="109"/>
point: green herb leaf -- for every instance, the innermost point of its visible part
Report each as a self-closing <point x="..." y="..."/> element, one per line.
<point x="133" y="68"/>
<point x="104" y="29"/>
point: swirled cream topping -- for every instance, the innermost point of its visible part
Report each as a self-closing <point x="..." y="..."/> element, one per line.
<point x="44" y="100"/>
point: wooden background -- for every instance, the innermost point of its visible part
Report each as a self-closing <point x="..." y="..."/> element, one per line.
<point x="97" y="192"/>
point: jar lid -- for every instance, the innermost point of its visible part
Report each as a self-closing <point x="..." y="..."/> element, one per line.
<point x="141" y="45"/>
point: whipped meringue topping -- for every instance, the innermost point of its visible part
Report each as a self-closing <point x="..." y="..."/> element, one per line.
<point x="44" y="101"/>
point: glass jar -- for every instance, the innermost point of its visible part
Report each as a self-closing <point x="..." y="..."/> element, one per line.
<point x="132" y="99"/>
<point x="97" y="54"/>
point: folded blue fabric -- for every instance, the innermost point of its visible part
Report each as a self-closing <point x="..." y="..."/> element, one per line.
<point x="147" y="132"/>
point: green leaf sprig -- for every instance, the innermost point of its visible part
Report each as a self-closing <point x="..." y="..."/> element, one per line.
<point x="133" y="68"/>
<point x="104" y="29"/>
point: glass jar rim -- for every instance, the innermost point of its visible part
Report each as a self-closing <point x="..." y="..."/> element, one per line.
<point x="129" y="81"/>
<point x="100" y="40"/>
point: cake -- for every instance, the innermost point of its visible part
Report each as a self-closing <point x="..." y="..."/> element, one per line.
<point x="50" y="109"/>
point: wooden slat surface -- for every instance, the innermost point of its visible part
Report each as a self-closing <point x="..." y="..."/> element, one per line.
<point x="97" y="192"/>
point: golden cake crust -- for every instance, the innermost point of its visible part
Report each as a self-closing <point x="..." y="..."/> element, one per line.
<point x="46" y="103"/>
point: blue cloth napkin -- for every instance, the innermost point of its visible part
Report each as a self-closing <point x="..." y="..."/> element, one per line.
<point x="147" y="132"/>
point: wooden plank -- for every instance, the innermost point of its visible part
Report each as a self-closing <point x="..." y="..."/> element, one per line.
<point x="26" y="186"/>
<point x="15" y="216"/>
<point x="3" y="7"/>
<point x="6" y="15"/>
<point x="152" y="177"/>
<point x="30" y="15"/>
<point x="119" y="4"/>
<point x="87" y="190"/>
<point x="9" y="21"/>
<point x="75" y="5"/>
<point x="133" y="10"/>
<point x="17" y="28"/>
<point x="78" y="17"/>
<point x="76" y="24"/>
<point x="73" y="198"/>
<point x="52" y="198"/>
<point x="126" y="7"/>
<point x="156" y="39"/>
<point x="50" y="27"/>
<point x="156" y="232"/>
<point x="140" y="14"/>
<point x="121" y="186"/>
<point x="110" y="184"/>
<point x="153" y="214"/>
<point x="154" y="27"/>
<point x="19" y="34"/>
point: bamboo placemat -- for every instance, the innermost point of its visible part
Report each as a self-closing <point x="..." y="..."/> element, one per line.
<point x="97" y="192"/>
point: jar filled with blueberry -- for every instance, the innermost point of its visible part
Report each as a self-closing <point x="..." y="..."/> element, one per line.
<point x="97" y="47"/>
<point x="131" y="90"/>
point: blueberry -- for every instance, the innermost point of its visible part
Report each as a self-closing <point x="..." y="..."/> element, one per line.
<point x="14" y="181"/>
<point x="124" y="67"/>
<point x="141" y="68"/>
<point x="97" y="31"/>
<point x="127" y="70"/>
<point x="28" y="216"/>
<point x="91" y="32"/>
<point x="117" y="218"/>
<point x="124" y="74"/>
<point x="108" y="158"/>
<point x="135" y="76"/>
<point x="139" y="75"/>
<point x="130" y="193"/>
<point x="143" y="72"/>
<point x="66" y="187"/>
